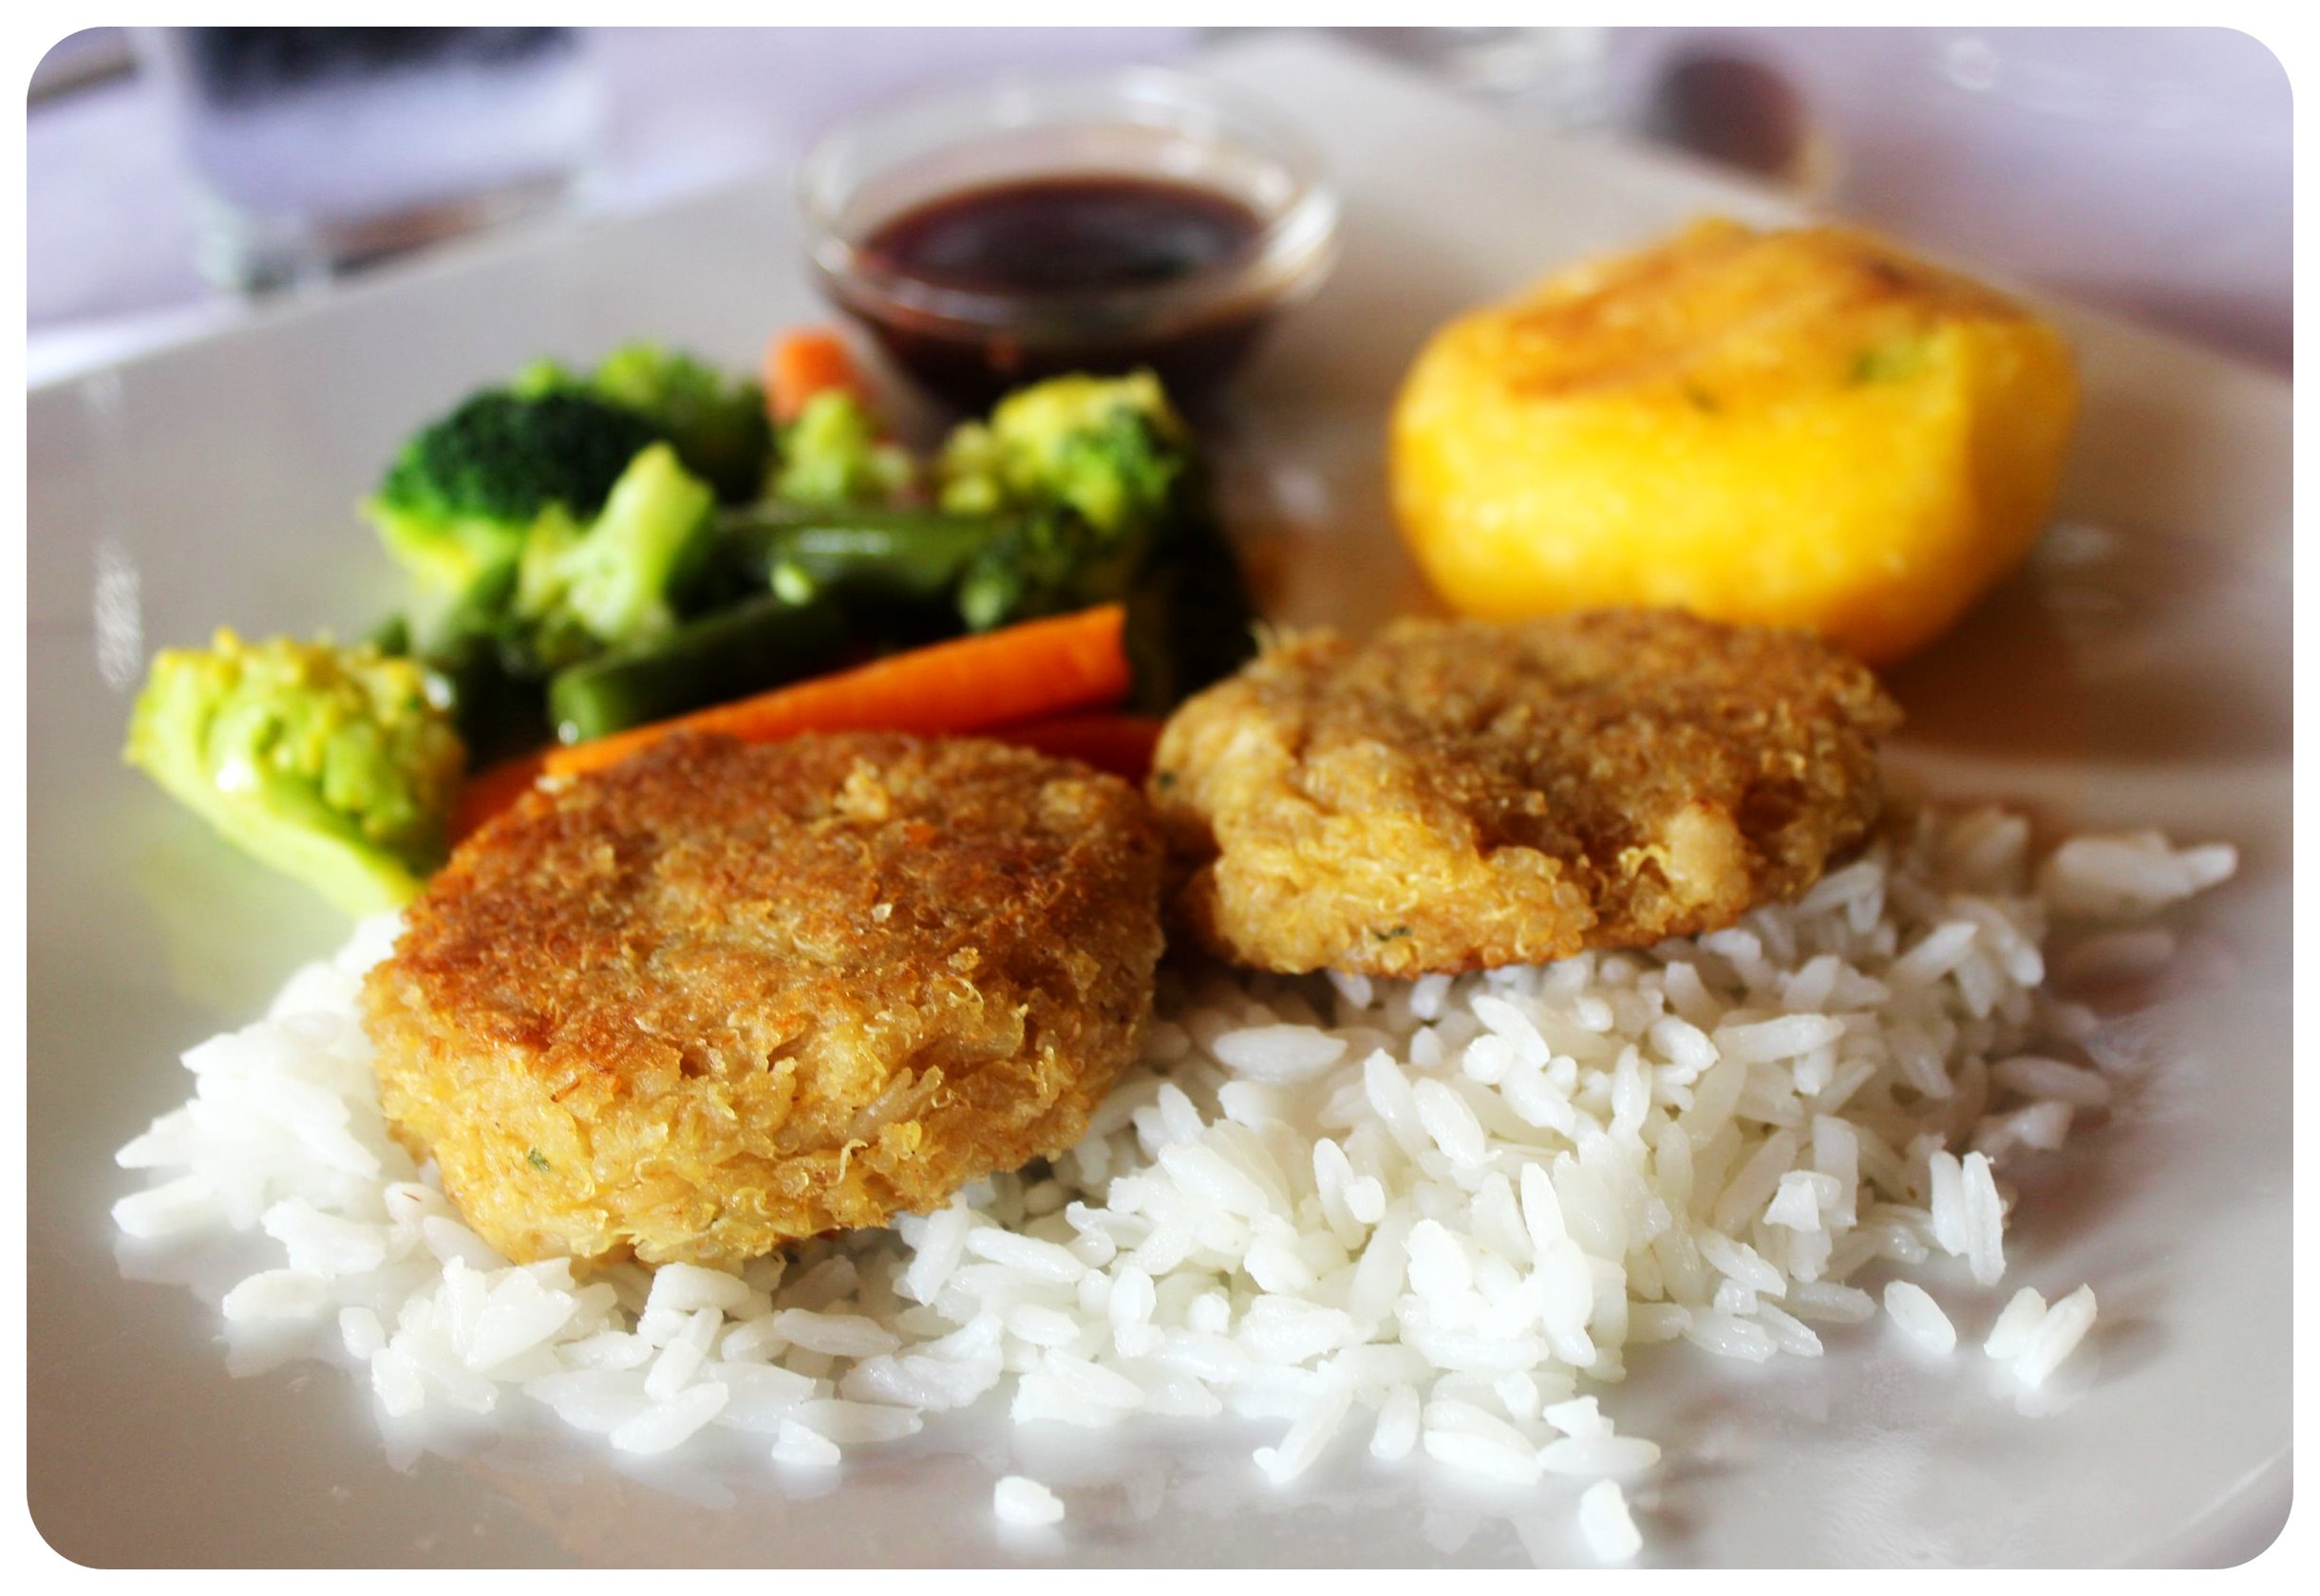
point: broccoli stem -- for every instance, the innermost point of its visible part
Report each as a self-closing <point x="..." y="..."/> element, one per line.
<point x="733" y="652"/>
<point x="1191" y="622"/>
<point x="497" y="708"/>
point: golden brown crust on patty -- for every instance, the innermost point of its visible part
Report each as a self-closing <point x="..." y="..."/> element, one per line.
<point x="1459" y="795"/>
<point x="722" y="996"/>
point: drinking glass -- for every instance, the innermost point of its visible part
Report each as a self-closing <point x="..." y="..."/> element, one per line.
<point x="312" y="151"/>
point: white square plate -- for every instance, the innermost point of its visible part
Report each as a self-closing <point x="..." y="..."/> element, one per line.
<point x="2136" y="674"/>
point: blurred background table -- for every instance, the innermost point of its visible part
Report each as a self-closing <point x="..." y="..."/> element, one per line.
<point x="2143" y="170"/>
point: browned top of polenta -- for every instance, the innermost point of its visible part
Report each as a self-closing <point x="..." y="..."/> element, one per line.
<point x="1725" y="302"/>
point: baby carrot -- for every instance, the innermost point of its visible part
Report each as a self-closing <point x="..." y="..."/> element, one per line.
<point x="802" y="363"/>
<point x="484" y="794"/>
<point x="1030" y="671"/>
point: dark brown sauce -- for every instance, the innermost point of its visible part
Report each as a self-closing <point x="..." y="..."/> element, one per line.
<point x="1046" y="241"/>
<point x="1066" y="235"/>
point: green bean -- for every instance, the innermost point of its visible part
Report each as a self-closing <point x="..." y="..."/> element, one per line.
<point x="911" y="555"/>
<point x="755" y="645"/>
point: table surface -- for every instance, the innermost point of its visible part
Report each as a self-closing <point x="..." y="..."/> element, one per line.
<point x="2143" y="170"/>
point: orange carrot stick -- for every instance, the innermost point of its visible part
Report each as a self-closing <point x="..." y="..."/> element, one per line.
<point x="1121" y="744"/>
<point x="802" y="363"/>
<point x="1024" y="672"/>
<point x="489" y="792"/>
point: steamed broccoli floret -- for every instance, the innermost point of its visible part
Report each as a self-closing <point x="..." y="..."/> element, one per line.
<point x="582" y="589"/>
<point x="1045" y="562"/>
<point x="1110" y="448"/>
<point x="335" y="765"/>
<point x="1102" y="496"/>
<point x="831" y="456"/>
<point x="461" y="499"/>
<point x="718" y="427"/>
<point x="558" y="523"/>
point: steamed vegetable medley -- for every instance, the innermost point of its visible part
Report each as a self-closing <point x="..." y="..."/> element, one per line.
<point x="594" y="551"/>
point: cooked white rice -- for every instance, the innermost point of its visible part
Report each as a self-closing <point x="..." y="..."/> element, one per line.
<point x="1020" y="1500"/>
<point x="1426" y="1216"/>
<point x="2059" y="1332"/>
<point x="2011" y="1335"/>
<point x="1611" y="1532"/>
<point x="1919" y="1318"/>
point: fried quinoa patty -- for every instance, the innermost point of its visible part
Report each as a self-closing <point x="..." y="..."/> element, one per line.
<point x="1461" y="795"/>
<point x="720" y="996"/>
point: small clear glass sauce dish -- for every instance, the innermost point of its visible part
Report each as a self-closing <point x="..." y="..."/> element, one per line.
<point x="1029" y="226"/>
